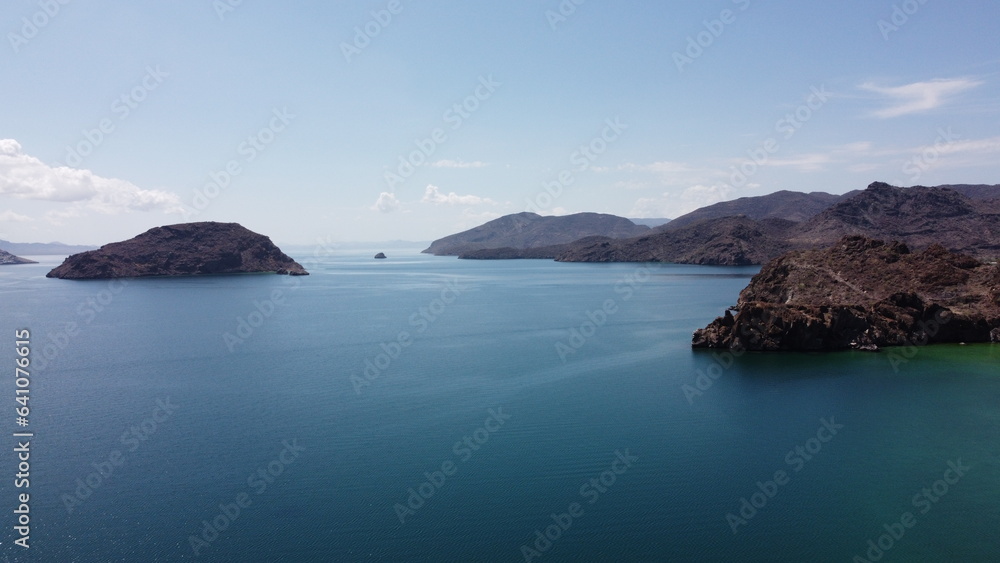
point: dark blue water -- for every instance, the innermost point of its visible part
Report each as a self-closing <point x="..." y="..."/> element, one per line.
<point x="431" y="409"/>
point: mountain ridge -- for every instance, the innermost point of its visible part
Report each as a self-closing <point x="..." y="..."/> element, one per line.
<point x="919" y="215"/>
<point x="530" y="230"/>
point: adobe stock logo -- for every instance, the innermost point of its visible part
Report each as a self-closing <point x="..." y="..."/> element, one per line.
<point x="363" y="35"/>
<point x="31" y="27"/>
<point x="925" y="500"/>
<point x="544" y="538"/>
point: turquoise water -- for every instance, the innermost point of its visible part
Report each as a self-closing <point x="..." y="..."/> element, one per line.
<point x="499" y="390"/>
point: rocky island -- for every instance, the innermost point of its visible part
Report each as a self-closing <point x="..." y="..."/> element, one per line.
<point x="6" y="258"/>
<point x="182" y="250"/>
<point x="862" y="293"/>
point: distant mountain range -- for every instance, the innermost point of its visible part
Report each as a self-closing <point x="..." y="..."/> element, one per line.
<point x="752" y="230"/>
<point x="651" y="223"/>
<point x="42" y="248"/>
<point x="530" y="230"/>
<point x="792" y="206"/>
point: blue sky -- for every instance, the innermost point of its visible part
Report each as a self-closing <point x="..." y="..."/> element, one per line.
<point x="386" y="120"/>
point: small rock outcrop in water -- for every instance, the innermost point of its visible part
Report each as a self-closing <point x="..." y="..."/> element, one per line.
<point x="863" y="294"/>
<point x="380" y="255"/>
<point x="6" y="258"/>
<point x="182" y="250"/>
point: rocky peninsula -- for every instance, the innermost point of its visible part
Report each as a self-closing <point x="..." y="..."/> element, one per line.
<point x="6" y="258"/>
<point x="184" y="249"/>
<point x="862" y="293"/>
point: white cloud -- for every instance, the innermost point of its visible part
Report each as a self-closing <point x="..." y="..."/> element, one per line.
<point x="458" y="164"/>
<point x="432" y="194"/>
<point x="660" y="167"/>
<point x="805" y="162"/>
<point x="666" y="174"/>
<point x="25" y="177"/>
<point x="918" y="97"/>
<point x="650" y="207"/>
<point x="472" y="219"/>
<point x="386" y="203"/>
<point x="700" y="196"/>
<point x="56" y="217"/>
<point x="673" y="206"/>
<point x="863" y="157"/>
<point x="11" y="217"/>
<point x="981" y="146"/>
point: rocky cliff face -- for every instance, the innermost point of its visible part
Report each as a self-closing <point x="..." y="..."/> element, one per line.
<point x="181" y="250"/>
<point x="6" y="258"/>
<point x="862" y="293"/>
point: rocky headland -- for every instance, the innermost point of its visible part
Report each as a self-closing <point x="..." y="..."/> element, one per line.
<point x="865" y="294"/>
<point x="182" y="250"/>
<point x="6" y="258"/>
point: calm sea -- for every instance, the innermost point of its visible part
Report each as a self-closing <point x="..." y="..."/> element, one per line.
<point x="433" y="409"/>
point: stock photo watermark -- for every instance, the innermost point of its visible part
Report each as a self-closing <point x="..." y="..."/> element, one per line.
<point x="225" y="7"/>
<point x="786" y="126"/>
<point x="249" y="149"/>
<point x="900" y="355"/>
<point x="698" y="43"/>
<point x="88" y="310"/>
<point x="704" y="379"/>
<point x="900" y="16"/>
<point x="454" y="117"/>
<point x="796" y="458"/>
<point x="591" y="491"/>
<point x="32" y="25"/>
<point x="257" y="482"/>
<point x="261" y="310"/>
<point x="924" y="500"/>
<point x="122" y="108"/>
<point x="562" y="13"/>
<point x="581" y="159"/>
<point x="463" y="450"/>
<point x="421" y="319"/>
<point x="596" y="318"/>
<point x="928" y="156"/>
<point x="364" y="34"/>
<point x="131" y="439"/>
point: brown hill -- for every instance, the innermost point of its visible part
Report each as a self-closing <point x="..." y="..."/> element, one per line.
<point x="792" y="206"/>
<point x="862" y="293"/>
<point x="181" y="250"/>
<point x="730" y="241"/>
<point x="917" y="216"/>
<point x="530" y="230"/>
